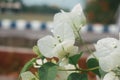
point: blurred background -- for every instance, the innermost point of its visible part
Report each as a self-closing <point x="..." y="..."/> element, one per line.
<point x="23" y="22"/>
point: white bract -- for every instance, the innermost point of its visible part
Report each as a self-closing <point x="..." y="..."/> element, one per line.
<point x="62" y="75"/>
<point x="75" y="19"/>
<point x="60" y="45"/>
<point x="111" y="61"/>
<point x="38" y="63"/>
<point x="108" y="54"/>
<point x="111" y="76"/>
<point x="28" y="76"/>
<point x="105" y="46"/>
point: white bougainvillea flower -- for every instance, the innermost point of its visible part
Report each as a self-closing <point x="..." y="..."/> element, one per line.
<point x="62" y="75"/>
<point x="111" y="61"/>
<point x="64" y="61"/>
<point x="105" y="46"/>
<point x="111" y="76"/>
<point x="107" y="52"/>
<point x="60" y="45"/>
<point x="38" y="63"/>
<point x="75" y="18"/>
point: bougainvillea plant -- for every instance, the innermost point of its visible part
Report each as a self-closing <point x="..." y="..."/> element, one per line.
<point x="58" y="55"/>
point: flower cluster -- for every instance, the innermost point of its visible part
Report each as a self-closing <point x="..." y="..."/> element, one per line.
<point x="58" y="55"/>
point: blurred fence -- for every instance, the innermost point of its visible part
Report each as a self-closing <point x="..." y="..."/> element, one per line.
<point x="25" y="33"/>
<point x="16" y="28"/>
<point x="22" y="25"/>
<point x="38" y="25"/>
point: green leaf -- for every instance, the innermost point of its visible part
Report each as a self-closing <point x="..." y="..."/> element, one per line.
<point x="28" y="76"/>
<point x="27" y="66"/>
<point x="77" y="76"/>
<point x="75" y="58"/>
<point x="47" y="71"/>
<point x="92" y="63"/>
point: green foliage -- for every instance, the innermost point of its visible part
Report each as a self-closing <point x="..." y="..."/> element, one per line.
<point x="113" y="4"/>
<point x="40" y="9"/>
<point x="92" y="63"/>
<point x="27" y="66"/>
<point x="102" y="11"/>
<point x="77" y="76"/>
<point x="47" y="71"/>
<point x="28" y="76"/>
<point x="74" y="59"/>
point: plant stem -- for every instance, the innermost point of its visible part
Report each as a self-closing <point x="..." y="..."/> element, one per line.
<point x="85" y="70"/>
<point x="80" y="39"/>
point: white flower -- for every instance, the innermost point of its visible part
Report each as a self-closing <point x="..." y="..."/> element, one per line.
<point x="60" y="45"/>
<point x="111" y="76"/>
<point x="105" y="46"/>
<point x="111" y="61"/>
<point x="62" y="75"/>
<point x="75" y="18"/>
<point x="38" y="63"/>
<point x="107" y="52"/>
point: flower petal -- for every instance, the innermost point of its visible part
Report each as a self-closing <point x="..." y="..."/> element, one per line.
<point x="77" y="8"/>
<point x="63" y="32"/>
<point x="106" y="63"/>
<point x="77" y="16"/>
<point x="65" y="48"/>
<point x="60" y="53"/>
<point x="46" y="46"/>
<point x="76" y="19"/>
<point x="111" y="76"/>
<point x="105" y="46"/>
<point x="111" y="60"/>
<point x="39" y="61"/>
<point x="62" y="75"/>
<point x="72" y="50"/>
<point x="64" y="62"/>
<point x="107" y="43"/>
